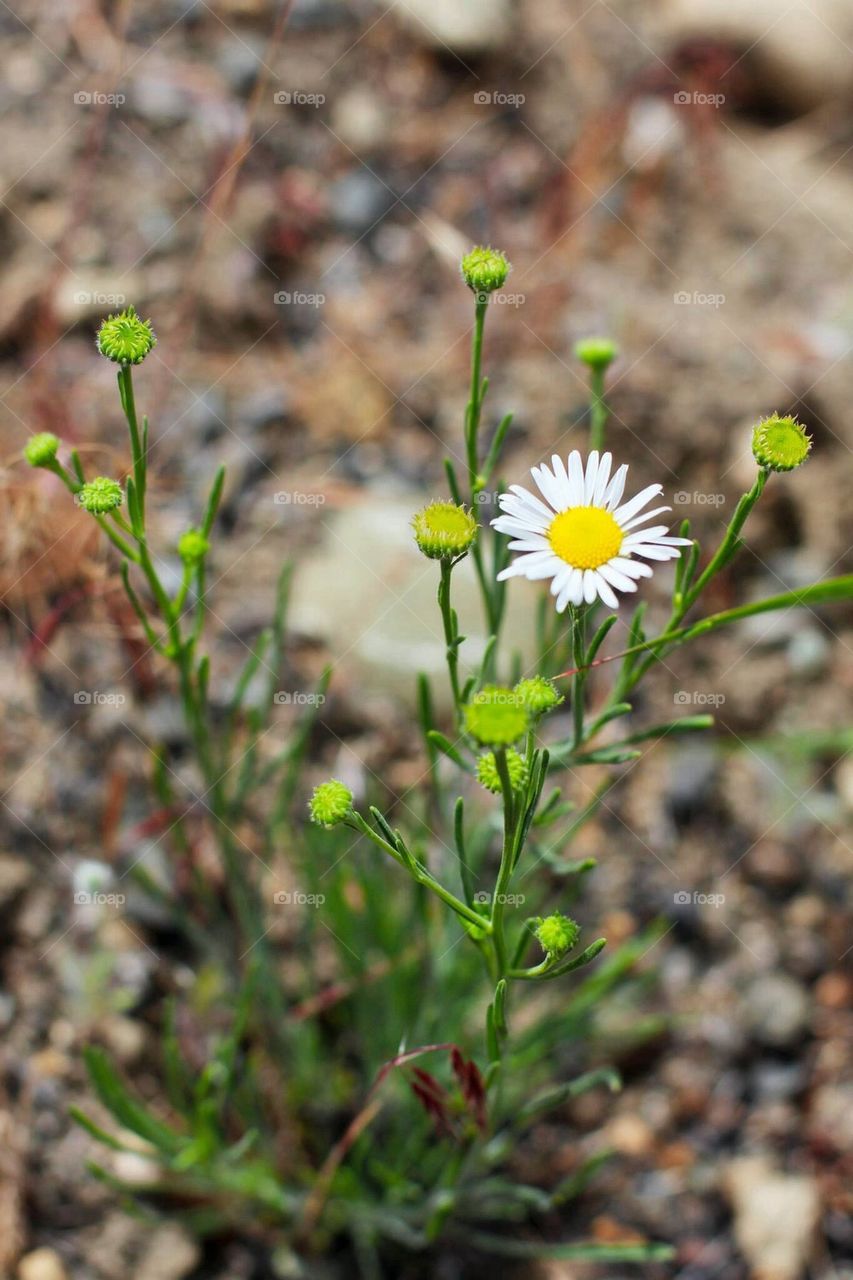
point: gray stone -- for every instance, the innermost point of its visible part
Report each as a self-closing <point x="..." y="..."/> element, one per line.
<point x="775" y="1218"/>
<point x="777" y="1010"/>
<point x="371" y="595"/>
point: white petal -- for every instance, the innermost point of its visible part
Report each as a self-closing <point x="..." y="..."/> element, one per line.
<point x="517" y="528"/>
<point x="605" y="591"/>
<point x="535" y="566"/>
<point x="562" y="478"/>
<point x="620" y="581"/>
<point x="576" y="483"/>
<point x="602" y="479"/>
<point x="591" y="477"/>
<point x="646" y="515"/>
<point x="616" y="488"/>
<point x="562" y="601"/>
<point x="655" y="552"/>
<point x="674" y="542"/>
<point x="576" y="587"/>
<point x="561" y="580"/>
<point x="590" y="585"/>
<point x="633" y="568"/>
<point x="633" y="506"/>
<point x="530" y="500"/>
<point x="644" y="535"/>
<point x="530" y="543"/>
<point x="548" y="485"/>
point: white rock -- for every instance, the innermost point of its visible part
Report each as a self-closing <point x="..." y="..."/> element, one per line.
<point x="41" y="1264"/>
<point x="464" y="26"/>
<point x="171" y="1254"/>
<point x="803" y="44"/>
<point x="371" y="595"/>
<point x="775" y="1218"/>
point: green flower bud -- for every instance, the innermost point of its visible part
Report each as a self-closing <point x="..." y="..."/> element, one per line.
<point x="538" y="695"/>
<point x="193" y="546"/>
<point x="557" y="934"/>
<point x="496" y="716"/>
<point x="125" y="338"/>
<point x="485" y="270"/>
<point x="488" y="776"/>
<point x="41" y="449"/>
<point x="780" y="443"/>
<point x="597" y="353"/>
<point x="330" y="803"/>
<point x="100" y="495"/>
<point x="444" y="531"/>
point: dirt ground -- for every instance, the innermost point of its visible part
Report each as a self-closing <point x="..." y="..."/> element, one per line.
<point x="286" y="195"/>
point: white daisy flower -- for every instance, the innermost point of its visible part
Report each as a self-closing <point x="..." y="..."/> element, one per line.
<point x="583" y="536"/>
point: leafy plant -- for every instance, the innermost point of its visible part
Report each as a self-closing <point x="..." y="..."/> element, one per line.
<point x="383" y="1108"/>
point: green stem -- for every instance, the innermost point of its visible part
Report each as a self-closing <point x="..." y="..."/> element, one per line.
<point x="475" y="403"/>
<point x="507" y="863"/>
<point x="598" y="412"/>
<point x="451" y="636"/>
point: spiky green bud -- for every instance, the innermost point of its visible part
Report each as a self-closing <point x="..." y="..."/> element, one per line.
<point x="557" y="934"/>
<point x="780" y="443"/>
<point x="444" y="531"/>
<point x="538" y="695"/>
<point x="125" y="338"/>
<point x="330" y="804"/>
<point x="41" y="449"/>
<point x="485" y="270"/>
<point x="496" y="716"/>
<point x="100" y="495"/>
<point x="193" y="546"/>
<point x="488" y="776"/>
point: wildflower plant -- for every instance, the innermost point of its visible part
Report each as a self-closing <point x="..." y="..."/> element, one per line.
<point x="450" y="918"/>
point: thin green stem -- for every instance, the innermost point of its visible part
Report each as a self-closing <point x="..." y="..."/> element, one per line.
<point x="598" y="411"/>
<point x="451" y="636"/>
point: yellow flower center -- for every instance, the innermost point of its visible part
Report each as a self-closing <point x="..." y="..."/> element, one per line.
<point x="585" y="537"/>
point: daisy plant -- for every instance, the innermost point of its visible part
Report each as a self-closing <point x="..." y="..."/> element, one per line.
<point x="445" y="924"/>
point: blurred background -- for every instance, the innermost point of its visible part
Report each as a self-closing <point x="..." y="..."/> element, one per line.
<point x="286" y="191"/>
